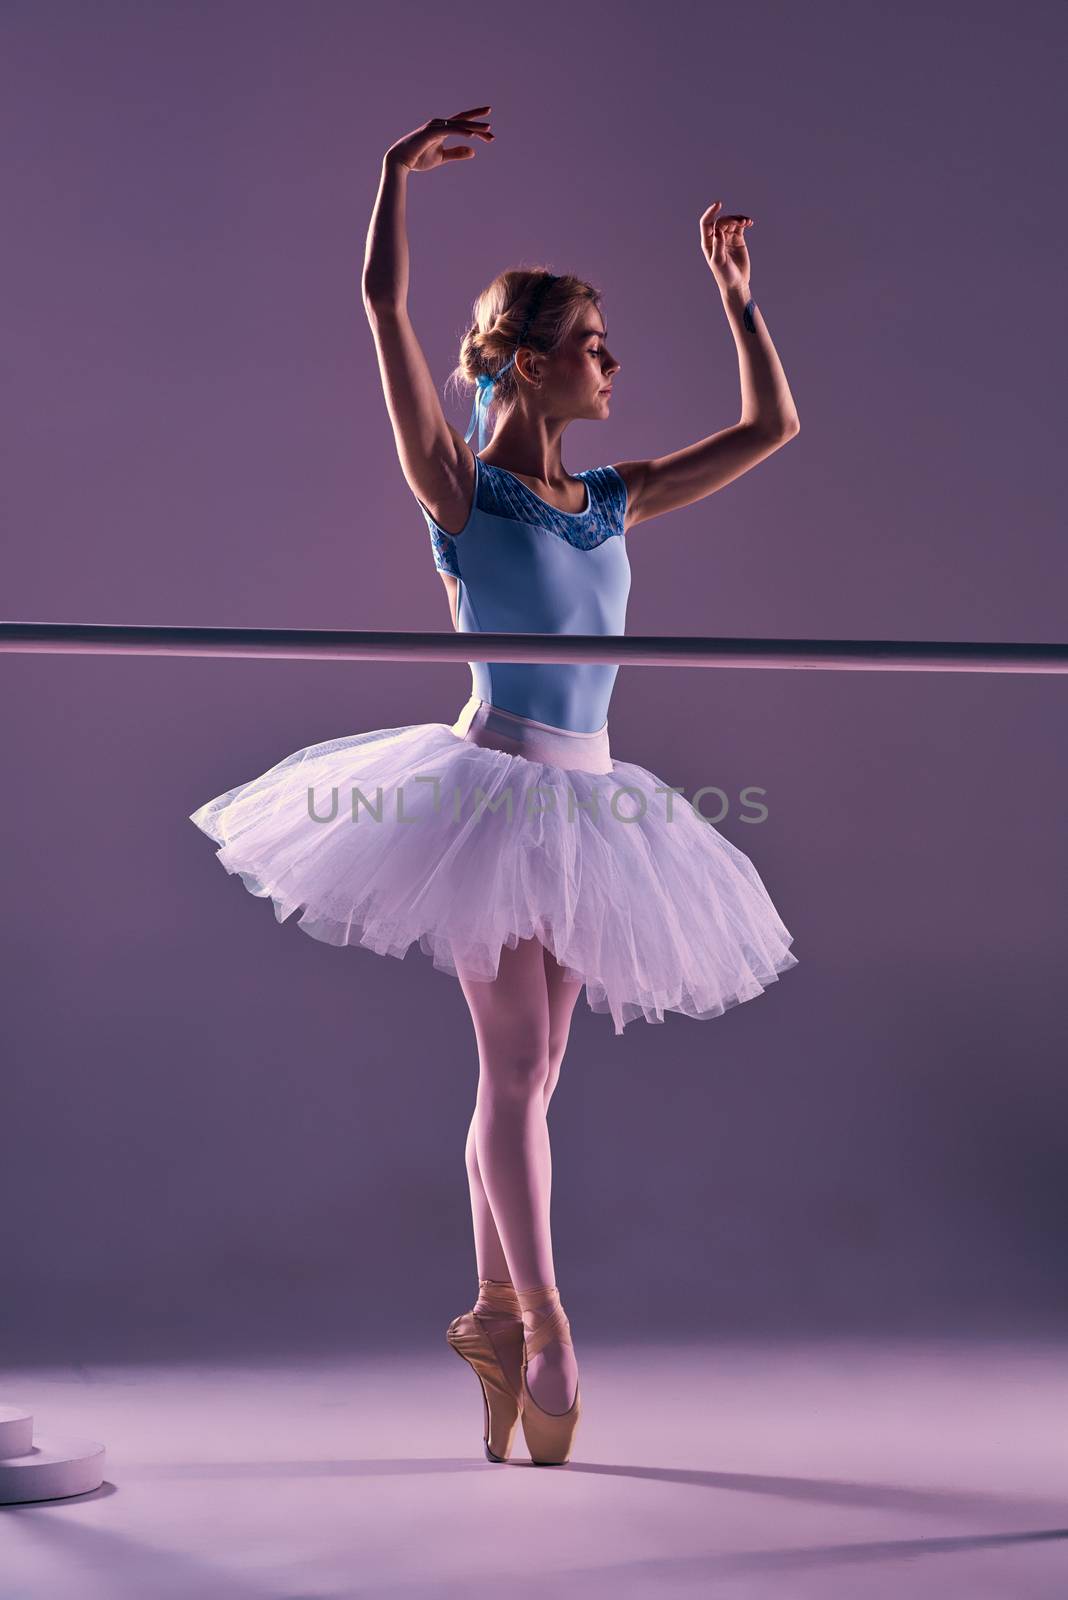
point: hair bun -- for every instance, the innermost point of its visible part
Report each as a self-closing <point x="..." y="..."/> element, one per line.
<point x="488" y="347"/>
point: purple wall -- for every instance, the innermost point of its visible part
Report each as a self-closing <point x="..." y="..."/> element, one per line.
<point x="219" y="1132"/>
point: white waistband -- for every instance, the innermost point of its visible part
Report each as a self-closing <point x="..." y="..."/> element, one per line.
<point x="546" y="727"/>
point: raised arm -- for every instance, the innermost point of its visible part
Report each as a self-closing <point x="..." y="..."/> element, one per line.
<point x="433" y="456"/>
<point x="769" y="417"/>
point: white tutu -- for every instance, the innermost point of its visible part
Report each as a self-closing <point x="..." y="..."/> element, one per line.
<point x="405" y="835"/>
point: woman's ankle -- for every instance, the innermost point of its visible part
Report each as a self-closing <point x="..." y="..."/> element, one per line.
<point x="545" y="1324"/>
<point x="497" y="1299"/>
<point x="539" y="1302"/>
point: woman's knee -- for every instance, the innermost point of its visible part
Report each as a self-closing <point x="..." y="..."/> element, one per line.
<point x="520" y="1072"/>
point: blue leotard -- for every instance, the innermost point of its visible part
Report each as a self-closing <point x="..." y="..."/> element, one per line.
<point x="526" y="567"/>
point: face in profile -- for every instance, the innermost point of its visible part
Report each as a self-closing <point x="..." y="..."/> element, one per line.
<point x="576" y="379"/>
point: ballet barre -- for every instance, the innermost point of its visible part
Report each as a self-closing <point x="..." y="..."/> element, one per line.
<point x="641" y="650"/>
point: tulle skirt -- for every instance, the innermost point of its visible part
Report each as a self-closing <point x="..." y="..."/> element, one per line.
<point x="469" y="837"/>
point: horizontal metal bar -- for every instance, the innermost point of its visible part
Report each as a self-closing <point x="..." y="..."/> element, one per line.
<point x="650" y="650"/>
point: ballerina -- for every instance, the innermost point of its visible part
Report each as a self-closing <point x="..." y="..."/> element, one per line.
<point x="512" y="846"/>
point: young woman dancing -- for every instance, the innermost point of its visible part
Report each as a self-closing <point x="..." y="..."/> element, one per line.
<point x="503" y="843"/>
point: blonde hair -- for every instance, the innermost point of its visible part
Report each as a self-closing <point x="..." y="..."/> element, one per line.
<point x="498" y="315"/>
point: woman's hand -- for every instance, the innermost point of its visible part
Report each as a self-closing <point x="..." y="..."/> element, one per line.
<point x="723" y="245"/>
<point x="422" y="150"/>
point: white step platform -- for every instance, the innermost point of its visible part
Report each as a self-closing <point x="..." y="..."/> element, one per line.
<point x="44" y="1468"/>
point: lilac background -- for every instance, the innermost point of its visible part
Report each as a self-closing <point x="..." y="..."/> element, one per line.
<point x="221" y="1134"/>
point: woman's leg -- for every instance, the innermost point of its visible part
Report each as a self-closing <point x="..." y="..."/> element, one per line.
<point x="563" y="993"/>
<point x="521" y="1023"/>
<point x="490" y="1259"/>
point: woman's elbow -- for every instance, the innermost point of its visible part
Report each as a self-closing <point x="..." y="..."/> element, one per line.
<point x="380" y="299"/>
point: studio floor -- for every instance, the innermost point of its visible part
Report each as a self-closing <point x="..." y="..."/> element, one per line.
<point x="823" y="1471"/>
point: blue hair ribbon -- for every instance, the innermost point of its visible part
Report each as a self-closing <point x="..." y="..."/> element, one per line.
<point x="481" y="402"/>
<point x="485" y="383"/>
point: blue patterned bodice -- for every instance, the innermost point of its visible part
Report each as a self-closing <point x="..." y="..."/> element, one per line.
<point x="523" y="566"/>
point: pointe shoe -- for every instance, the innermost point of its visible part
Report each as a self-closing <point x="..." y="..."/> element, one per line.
<point x="549" y="1434"/>
<point x="495" y="1355"/>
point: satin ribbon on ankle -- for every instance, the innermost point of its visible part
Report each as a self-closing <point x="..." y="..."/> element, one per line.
<point x="497" y="1297"/>
<point x="553" y="1326"/>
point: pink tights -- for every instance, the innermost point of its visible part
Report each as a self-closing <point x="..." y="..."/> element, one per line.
<point x="521" y="1023"/>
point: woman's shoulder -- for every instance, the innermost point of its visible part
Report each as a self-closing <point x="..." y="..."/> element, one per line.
<point x="609" y="482"/>
<point x="608" y="496"/>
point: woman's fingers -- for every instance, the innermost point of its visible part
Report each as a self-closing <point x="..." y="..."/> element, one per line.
<point x="424" y="148"/>
<point x="469" y="119"/>
<point x="711" y="218"/>
<point x="456" y="125"/>
<point x="723" y="238"/>
<point x="731" y="230"/>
